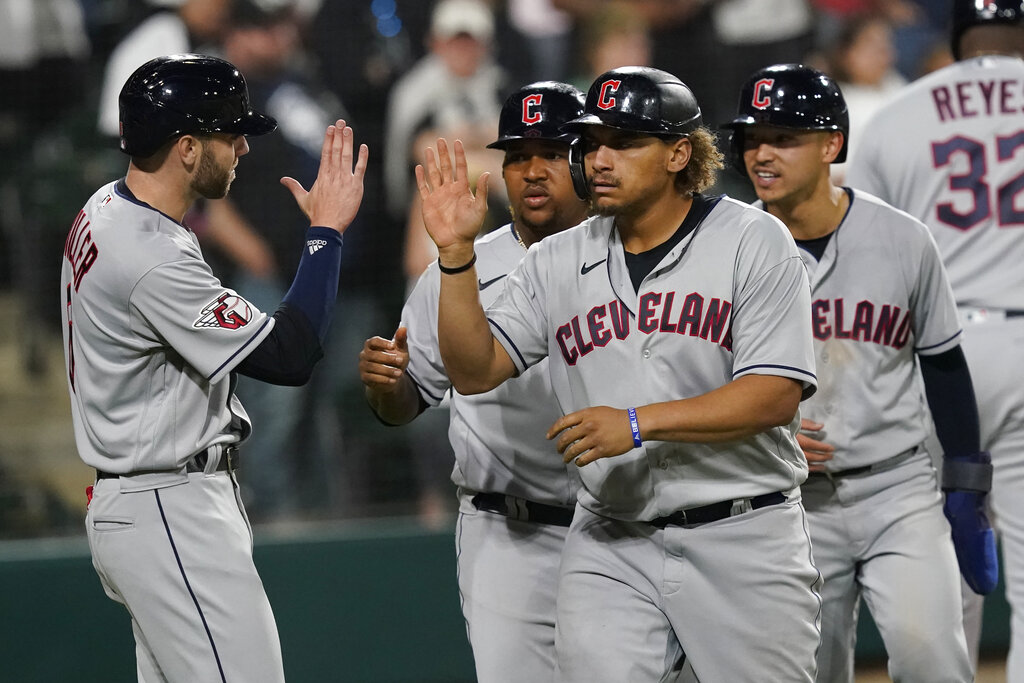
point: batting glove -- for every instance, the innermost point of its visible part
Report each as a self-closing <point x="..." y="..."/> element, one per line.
<point x="966" y="480"/>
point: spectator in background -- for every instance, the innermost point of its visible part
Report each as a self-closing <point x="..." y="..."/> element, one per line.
<point x="918" y="26"/>
<point x="193" y="25"/>
<point x="455" y="87"/>
<point x="263" y="41"/>
<point x="547" y="34"/>
<point x="456" y="91"/>
<point x="612" y="37"/>
<point x="863" y="62"/>
<point x="43" y="63"/>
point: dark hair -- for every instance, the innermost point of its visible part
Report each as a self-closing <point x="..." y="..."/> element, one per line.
<point x="705" y="163"/>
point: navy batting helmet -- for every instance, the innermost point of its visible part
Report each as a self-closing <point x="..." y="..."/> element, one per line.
<point x="789" y="96"/>
<point x="968" y="13"/>
<point x="171" y="96"/>
<point x="642" y="100"/>
<point x="638" y="99"/>
<point x="537" y="112"/>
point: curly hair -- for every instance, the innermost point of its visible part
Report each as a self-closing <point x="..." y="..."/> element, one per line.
<point x="705" y="163"/>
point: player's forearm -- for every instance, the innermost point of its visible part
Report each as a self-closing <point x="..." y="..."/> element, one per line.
<point x="950" y="393"/>
<point x="468" y="348"/>
<point x="398" y="406"/>
<point x="749" y="405"/>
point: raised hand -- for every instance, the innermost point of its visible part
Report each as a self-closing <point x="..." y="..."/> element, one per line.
<point x="592" y="433"/>
<point x="452" y="214"/>
<point x="382" y="362"/>
<point x="337" y="192"/>
<point x="816" y="451"/>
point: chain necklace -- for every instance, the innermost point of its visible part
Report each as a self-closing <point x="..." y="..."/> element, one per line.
<point x="519" y="239"/>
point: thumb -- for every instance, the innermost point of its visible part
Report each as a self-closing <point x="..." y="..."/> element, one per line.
<point x="295" y="187"/>
<point x="402" y="339"/>
<point x="810" y="425"/>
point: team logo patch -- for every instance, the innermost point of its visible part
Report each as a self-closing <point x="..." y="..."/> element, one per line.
<point x="315" y="245"/>
<point x="762" y="89"/>
<point x="228" y="311"/>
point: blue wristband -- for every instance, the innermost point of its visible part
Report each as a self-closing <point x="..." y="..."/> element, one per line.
<point x="637" y="442"/>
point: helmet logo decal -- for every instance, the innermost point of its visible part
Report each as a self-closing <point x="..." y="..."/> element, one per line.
<point x="761" y="100"/>
<point x="531" y="104"/>
<point x="605" y="101"/>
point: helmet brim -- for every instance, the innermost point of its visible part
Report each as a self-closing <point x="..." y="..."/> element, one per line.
<point x="253" y="123"/>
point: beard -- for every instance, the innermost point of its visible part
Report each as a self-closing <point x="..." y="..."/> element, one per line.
<point x="211" y="181"/>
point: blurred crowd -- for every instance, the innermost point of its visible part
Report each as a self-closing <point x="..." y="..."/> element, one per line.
<point x="401" y="72"/>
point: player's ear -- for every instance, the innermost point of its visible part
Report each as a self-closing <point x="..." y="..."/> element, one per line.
<point x="833" y="145"/>
<point x="679" y="154"/>
<point x="189" y="148"/>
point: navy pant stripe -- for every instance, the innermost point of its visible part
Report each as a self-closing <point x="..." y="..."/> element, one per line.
<point x="195" y="600"/>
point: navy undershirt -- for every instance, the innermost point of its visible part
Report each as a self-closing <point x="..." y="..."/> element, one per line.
<point x="640" y="265"/>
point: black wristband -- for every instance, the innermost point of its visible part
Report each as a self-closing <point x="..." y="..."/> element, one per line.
<point x="458" y="269"/>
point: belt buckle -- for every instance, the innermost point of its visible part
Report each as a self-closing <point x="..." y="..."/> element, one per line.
<point x="231" y="457"/>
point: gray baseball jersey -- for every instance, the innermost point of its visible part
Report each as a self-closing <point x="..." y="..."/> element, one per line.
<point x="151" y="337"/>
<point x="508" y="570"/>
<point x="868" y="329"/>
<point x="730" y="299"/>
<point x="498" y="436"/>
<point x="949" y="150"/>
<point x="881" y="534"/>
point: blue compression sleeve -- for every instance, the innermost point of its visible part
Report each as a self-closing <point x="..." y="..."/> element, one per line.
<point x="947" y="384"/>
<point x="315" y="286"/>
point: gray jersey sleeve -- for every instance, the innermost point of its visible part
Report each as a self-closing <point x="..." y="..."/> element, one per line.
<point x="936" y="321"/>
<point x="419" y="315"/>
<point x="772" y="321"/>
<point x="209" y="325"/>
<point x="522" y="326"/>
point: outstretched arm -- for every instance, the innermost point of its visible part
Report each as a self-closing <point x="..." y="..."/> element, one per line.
<point x="287" y="355"/>
<point x="473" y="358"/>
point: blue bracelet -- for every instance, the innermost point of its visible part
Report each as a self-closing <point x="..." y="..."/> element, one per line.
<point x="637" y="442"/>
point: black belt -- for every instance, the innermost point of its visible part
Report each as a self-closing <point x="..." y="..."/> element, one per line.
<point x="879" y="466"/>
<point x="523" y="510"/>
<point x="1015" y="314"/>
<point x="197" y="463"/>
<point x="715" y="511"/>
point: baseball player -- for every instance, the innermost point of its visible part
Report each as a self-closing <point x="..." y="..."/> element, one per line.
<point x="872" y="499"/>
<point x="152" y="345"/>
<point x="949" y="150"/>
<point x="677" y="332"/>
<point x="516" y="496"/>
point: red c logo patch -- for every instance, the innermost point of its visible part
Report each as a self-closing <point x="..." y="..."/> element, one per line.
<point x="606" y="101"/>
<point x="761" y="100"/>
<point x="530" y="114"/>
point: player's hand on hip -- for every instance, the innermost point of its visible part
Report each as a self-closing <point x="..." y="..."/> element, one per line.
<point x="592" y="433"/>
<point x="816" y="451"/>
<point x="452" y="214"/>
<point x="382" y="362"/>
<point x="337" y="192"/>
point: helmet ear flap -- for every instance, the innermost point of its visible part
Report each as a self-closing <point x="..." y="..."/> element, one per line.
<point x="736" y="146"/>
<point x="576" y="171"/>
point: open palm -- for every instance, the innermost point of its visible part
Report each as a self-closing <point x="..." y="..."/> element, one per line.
<point x="451" y="213"/>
